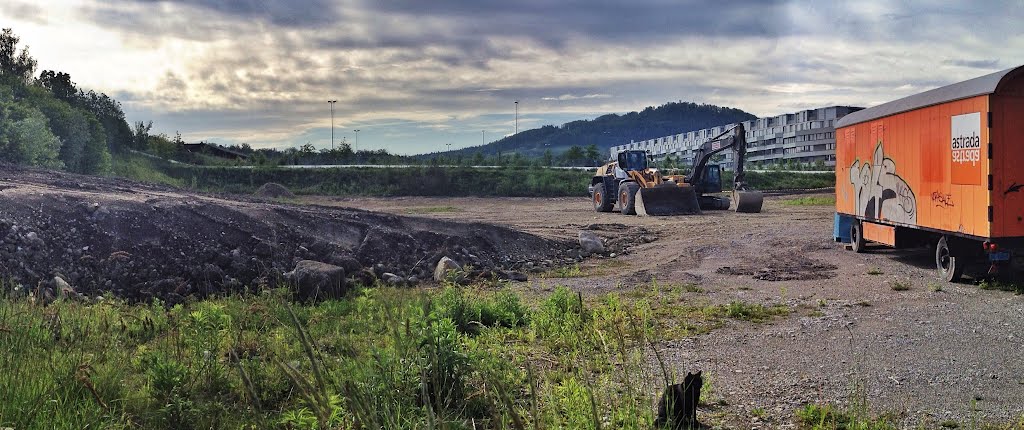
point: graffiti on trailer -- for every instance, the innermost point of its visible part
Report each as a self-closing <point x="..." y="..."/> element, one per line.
<point x="942" y="200"/>
<point x="880" y="193"/>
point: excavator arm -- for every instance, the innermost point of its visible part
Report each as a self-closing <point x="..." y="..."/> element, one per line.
<point x="735" y="139"/>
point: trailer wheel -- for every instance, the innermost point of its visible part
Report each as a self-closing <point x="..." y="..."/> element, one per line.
<point x="602" y="201"/>
<point x="949" y="264"/>
<point x="627" y="197"/>
<point x="857" y="237"/>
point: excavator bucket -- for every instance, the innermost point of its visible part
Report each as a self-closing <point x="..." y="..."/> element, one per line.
<point x="748" y="201"/>
<point x="667" y="200"/>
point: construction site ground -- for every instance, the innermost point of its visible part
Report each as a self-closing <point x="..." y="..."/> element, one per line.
<point x="876" y="327"/>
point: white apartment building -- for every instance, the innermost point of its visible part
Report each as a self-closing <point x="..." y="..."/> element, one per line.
<point x="804" y="137"/>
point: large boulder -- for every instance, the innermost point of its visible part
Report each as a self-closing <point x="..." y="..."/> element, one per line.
<point x="444" y="266"/>
<point x="591" y="243"/>
<point x="314" y="280"/>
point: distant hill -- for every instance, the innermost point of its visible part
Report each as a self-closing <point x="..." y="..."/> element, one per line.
<point x="613" y="129"/>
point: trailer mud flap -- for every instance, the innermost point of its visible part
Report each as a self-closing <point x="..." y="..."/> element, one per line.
<point x="667" y="200"/>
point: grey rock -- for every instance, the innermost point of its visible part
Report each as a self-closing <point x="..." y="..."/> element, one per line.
<point x="391" y="278"/>
<point x="314" y="280"/>
<point x="263" y="249"/>
<point x="590" y="242"/>
<point x="517" y="276"/>
<point x="63" y="287"/>
<point x="444" y="266"/>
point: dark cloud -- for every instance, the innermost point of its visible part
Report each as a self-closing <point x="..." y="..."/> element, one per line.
<point x="974" y="64"/>
<point x="24" y="12"/>
<point x="278" y="12"/>
<point x="450" y="64"/>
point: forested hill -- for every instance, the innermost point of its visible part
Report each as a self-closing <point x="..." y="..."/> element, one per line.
<point x="613" y="129"/>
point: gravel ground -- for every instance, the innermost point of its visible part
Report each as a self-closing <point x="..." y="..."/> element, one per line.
<point x="931" y="353"/>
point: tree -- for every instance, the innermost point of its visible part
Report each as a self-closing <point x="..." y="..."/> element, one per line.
<point x="28" y="140"/>
<point x="591" y="154"/>
<point x="162" y="146"/>
<point x="96" y="158"/>
<point x="140" y="135"/>
<point x="573" y="155"/>
<point x="59" y="84"/>
<point x="549" y="159"/>
<point x="108" y="112"/>
<point x="14" y="66"/>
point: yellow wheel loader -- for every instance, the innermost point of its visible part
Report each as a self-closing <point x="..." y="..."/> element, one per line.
<point x="639" y="188"/>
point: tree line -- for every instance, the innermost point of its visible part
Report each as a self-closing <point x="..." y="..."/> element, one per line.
<point x="45" y="120"/>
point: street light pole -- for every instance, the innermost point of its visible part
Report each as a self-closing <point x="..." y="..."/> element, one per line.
<point x="332" y="102"/>
<point x="517" y="118"/>
<point x="482" y="139"/>
<point x="357" y="138"/>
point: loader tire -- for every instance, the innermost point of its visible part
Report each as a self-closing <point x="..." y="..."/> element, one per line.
<point x="602" y="201"/>
<point x="627" y="197"/>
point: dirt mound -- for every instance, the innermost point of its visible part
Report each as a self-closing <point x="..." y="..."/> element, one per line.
<point x="274" y="191"/>
<point x="140" y="241"/>
<point x="783" y="267"/>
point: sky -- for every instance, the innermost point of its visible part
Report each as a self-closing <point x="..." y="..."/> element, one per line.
<point x="417" y="75"/>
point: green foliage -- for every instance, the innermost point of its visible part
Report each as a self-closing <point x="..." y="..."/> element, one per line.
<point x="26" y="139"/>
<point x="897" y="285"/>
<point x="783" y="180"/>
<point x="383" y="181"/>
<point x="14" y="66"/>
<point x="828" y="417"/>
<point x="1002" y="285"/>
<point x="746" y="311"/>
<point x="48" y="122"/>
<point x="142" y="168"/>
<point x="162" y="146"/>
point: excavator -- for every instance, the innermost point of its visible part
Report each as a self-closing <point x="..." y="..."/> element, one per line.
<point x="640" y="189"/>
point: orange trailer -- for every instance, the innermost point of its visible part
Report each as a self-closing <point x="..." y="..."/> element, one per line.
<point x="943" y="168"/>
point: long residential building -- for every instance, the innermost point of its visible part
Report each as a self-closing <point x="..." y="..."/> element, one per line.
<point x="804" y="137"/>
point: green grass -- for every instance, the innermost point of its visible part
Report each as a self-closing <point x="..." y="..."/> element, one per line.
<point x="828" y="417"/>
<point x="1013" y="287"/>
<point x="383" y="358"/>
<point x="900" y="285"/>
<point x="143" y="169"/>
<point x="783" y="180"/>
<point x="874" y="271"/>
<point x="811" y="201"/>
<point x="572" y="271"/>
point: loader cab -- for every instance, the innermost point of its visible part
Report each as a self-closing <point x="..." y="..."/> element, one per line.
<point x="633" y="160"/>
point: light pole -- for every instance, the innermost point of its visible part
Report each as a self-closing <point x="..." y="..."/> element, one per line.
<point x="449" y="147"/>
<point x="482" y="139"/>
<point x="357" y="138"/>
<point x="332" y="102"/>
<point x="517" y="118"/>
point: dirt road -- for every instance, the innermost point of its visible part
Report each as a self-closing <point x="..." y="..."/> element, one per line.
<point x="875" y="326"/>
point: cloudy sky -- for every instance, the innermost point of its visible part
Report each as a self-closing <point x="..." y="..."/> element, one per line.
<point x="415" y="75"/>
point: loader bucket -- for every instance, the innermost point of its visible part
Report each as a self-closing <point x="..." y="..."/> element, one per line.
<point x="748" y="201"/>
<point x="667" y="200"/>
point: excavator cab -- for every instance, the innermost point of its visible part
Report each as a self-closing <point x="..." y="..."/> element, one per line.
<point x="711" y="180"/>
